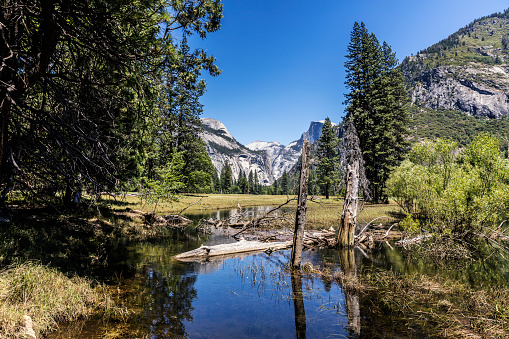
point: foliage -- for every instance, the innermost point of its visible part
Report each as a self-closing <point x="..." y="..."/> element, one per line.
<point x="427" y="123"/>
<point x="375" y="104"/>
<point x="167" y="183"/>
<point x="451" y="188"/>
<point x="226" y="178"/>
<point x="408" y="224"/>
<point x="328" y="158"/>
<point x="93" y="91"/>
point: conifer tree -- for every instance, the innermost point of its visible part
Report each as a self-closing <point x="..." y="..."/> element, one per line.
<point x="375" y="105"/>
<point x="243" y="183"/>
<point x="285" y="184"/>
<point x="327" y="169"/>
<point x="257" y="186"/>
<point x="226" y="178"/>
<point x="251" y="182"/>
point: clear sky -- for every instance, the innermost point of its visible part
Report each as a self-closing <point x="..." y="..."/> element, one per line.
<point x="282" y="61"/>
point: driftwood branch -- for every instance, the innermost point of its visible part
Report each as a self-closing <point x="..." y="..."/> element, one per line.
<point x="241" y="246"/>
<point x="194" y="203"/>
<point x="257" y="221"/>
<point x="170" y="219"/>
<point x="367" y="225"/>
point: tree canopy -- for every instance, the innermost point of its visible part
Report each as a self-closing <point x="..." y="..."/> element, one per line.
<point x="90" y="89"/>
<point x="375" y="104"/>
<point x="328" y="158"/>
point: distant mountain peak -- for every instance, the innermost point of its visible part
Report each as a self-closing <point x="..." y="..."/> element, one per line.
<point x="270" y="159"/>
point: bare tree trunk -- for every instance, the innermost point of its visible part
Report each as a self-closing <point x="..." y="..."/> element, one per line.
<point x="4" y="133"/>
<point x="349" y="215"/>
<point x="300" y="218"/>
<point x="355" y="181"/>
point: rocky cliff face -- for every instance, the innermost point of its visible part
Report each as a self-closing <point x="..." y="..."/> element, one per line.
<point x="281" y="158"/>
<point x="222" y="146"/>
<point x="313" y="133"/>
<point x="468" y="71"/>
<point x="479" y="91"/>
<point x="268" y="159"/>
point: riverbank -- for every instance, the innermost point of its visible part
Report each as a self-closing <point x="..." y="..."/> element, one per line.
<point x="35" y="298"/>
<point x="321" y="212"/>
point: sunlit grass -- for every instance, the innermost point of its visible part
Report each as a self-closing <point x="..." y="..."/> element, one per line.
<point x="321" y="212"/>
<point x="47" y="296"/>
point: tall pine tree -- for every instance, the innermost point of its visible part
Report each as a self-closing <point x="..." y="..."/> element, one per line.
<point x="327" y="169"/>
<point x="226" y="178"/>
<point x="375" y="105"/>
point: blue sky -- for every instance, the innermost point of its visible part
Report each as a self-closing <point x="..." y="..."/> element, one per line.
<point x="282" y="61"/>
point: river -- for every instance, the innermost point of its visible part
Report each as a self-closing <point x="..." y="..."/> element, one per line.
<point x="252" y="296"/>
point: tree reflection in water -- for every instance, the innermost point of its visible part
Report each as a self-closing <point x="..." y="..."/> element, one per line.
<point x="298" y="304"/>
<point x="347" y="262"/>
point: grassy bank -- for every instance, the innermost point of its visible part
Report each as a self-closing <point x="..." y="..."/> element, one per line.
<point x="47" y="296"/>
<point x="321" y="213"/>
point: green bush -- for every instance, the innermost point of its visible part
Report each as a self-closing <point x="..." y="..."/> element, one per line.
<point x="451" y="188"/>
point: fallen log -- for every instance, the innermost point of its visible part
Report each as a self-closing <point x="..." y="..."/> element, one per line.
<point x="412" y="241"/>
<point x="241" y="246"/>
<point x="170" y="219"/>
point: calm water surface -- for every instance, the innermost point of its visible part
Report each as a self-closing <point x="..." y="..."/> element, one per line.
<point x="253" y="296"/>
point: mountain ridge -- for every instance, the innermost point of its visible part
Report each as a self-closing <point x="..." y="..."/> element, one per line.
<point x="270" y="159"/>
<point x="467" y="71"/>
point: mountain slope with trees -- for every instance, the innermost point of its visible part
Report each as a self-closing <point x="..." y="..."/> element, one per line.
<point x="467" y="71"/>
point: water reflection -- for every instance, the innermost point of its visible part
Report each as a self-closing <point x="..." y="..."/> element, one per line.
<point x="243" y="297"/>
<point x="347" y="262"/>
<point x="298" y="305"/>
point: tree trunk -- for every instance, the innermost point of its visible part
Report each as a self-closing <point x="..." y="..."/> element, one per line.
<point x="300" y="218"/>
<point x="349" y="215"/>
<point x="4" y="133"/>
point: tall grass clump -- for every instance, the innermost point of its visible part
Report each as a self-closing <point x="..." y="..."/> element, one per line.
<point x="44" y="294"/>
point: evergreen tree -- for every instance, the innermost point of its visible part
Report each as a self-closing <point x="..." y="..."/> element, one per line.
<point x="275" y="186"/>
<point x="327" y="168"/>
<point x="226" y="178"/>
<point x="257" y="186"/>
<point x="285" y="184"/>
<point x="375" y="105"/>
<point x="251" y="182"/>
<point x="312" y="184"/>
<point x="216" y="182"/>
<point x="243" y="183"/>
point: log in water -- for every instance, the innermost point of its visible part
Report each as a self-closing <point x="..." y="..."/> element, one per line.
<point x="238" y="247"/>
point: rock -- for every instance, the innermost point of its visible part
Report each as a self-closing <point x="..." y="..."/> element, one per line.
<point x="479" y="91"/>
<point x="29" y="330"/>
<point x="269" y="159"/>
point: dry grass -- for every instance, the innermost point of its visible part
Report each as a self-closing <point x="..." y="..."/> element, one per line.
<point x="321" y="213"/>
<point x="444" y="307"/>
<point x="47" y="296"/>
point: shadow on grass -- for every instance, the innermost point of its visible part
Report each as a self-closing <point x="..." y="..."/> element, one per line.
<point x="74" y="245"/>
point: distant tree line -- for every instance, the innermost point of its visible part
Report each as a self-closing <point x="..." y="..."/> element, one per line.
<point x="244" y="184"/>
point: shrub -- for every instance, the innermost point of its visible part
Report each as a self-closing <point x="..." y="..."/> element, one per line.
<point x="453" y="189"/>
